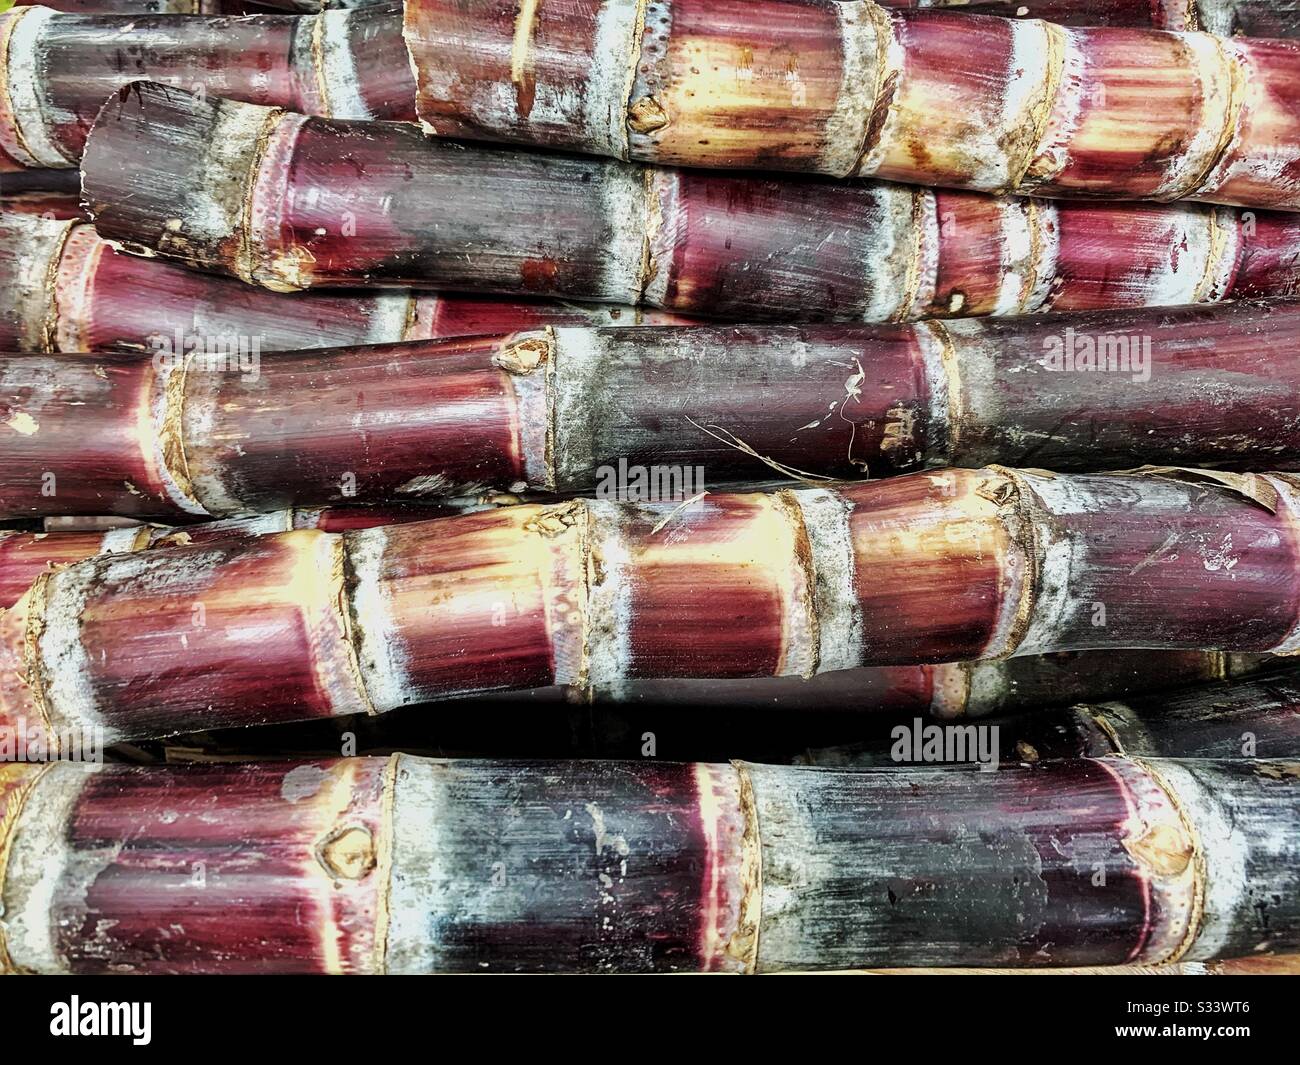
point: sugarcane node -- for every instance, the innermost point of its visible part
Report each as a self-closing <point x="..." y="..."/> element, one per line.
<point x="1163" y="848"/>
<point x="1001" y="491"/>
<point x="647" y="115"/>
<point x="523" y="356"/>
<point x="1108" y="729"/>
<point x="348" y="853"/>
<point x="743" y="944"/>
<point x="553" y="521"/>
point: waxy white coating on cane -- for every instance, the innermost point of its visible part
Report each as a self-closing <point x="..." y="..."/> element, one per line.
<point x="1055" y="601"/>
<point x="214" y="210"/>
<point x="380" y="650"/>
<point x="40" y="865"/>
<point x="23" y="81"/>
<point x="577" y="371"/>
<point x="336" y="66"/>
<point x="604" y="105"/>
<point x="199" y="417"/>
<point x="63" y="668"/>
<point x="167" y="438"/>
<point x="28" y="289"/>
<point x="610" y="598"/>
<point x="846" y="128"/>
<point x="898" y="253"/>
<point x="623" y="194"/>
<point x="834" y="565"/>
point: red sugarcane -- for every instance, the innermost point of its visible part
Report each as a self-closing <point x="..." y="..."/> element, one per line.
<point x="75" y="294"/>
<point x="54" y="194"/>
<point x="844" y="88"/>
<point x="24" y="555"/>
<point x="945" y="566"/>
<point x="1249" y="18"/>
<point x="49" y="205"/>
<point x="970" y="689"/>
<point x="319" y="202"/>
<point x="1253" y="18"/>
<point x="56" y="69"/>
<point x="644" y="413"/>
<point x="152" y="7"/>
<point x="410" y="865"/>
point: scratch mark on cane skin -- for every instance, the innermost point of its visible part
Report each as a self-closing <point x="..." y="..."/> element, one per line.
<point x="521" y="77"/>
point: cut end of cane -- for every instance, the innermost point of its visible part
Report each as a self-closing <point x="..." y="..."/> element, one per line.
<point x="156" y="173"/>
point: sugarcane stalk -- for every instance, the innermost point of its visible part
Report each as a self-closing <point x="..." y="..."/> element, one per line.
<point x="50" y="193"/>
<point x="946" y="690"/>
<point x="317" y="5"/>
<point x="76" y="294"/>
<point x="25" y="555"/>
<point x="322" y="202"/>
<point x="950" y="691"/>
<point x="56" y="68"/>
<point x="151" y="7"/>
<point x="39" y="181"/>
<point x="1249" y="718"/>
<point x="1254" y="718"/>
<point x="411" y="865"/>
<point x="849" y="88"/>
<point x="1227" y="18"/>
<point x="940" y="567"/>
<point x="645" y="414"/>
<point x="1271" y="965"/>
<point x="58" y="206"/>
<point x="613" y="722"/>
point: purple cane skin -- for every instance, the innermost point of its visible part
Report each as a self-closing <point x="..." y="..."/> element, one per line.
<point x="328" y="203"/>
<point x="945" y="566"/>
<point x="1248" y="18"/>
<point x="267" y="868"/>
<point x="411" y="865"/>
<point x="563" y="409"/>
<point x="87" y="297"/>
<point x="946" y="690"/>
<point x="151" y="7"/>
<point x="25" y="556"/>
<point x="83" y="296"/>
<point x="139" y="423"/>
<point x="932" y="97"/>
<point x="58" y="68"/>
<point x="1248" y="718"/>
<point x="57" y="206"/>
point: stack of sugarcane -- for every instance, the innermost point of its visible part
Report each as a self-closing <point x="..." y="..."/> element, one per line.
<point x="988" y="404"/>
